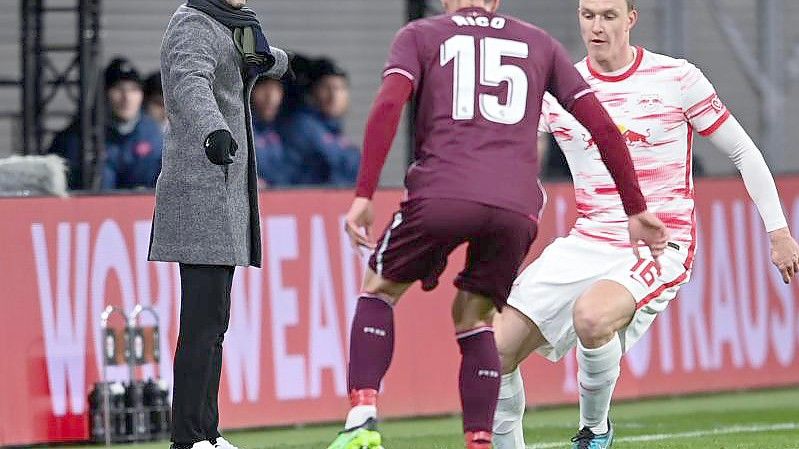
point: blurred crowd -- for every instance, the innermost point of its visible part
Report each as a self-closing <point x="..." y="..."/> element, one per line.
<point x="298" y="129"/>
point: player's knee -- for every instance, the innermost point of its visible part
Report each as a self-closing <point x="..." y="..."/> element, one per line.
<point x="507" y="344"/>
<point x="508" y="358"/>
<point x="470" y="311"/>
<point x="387" y="290"/>
<point x="590" y="324"/>
<point x="385" y="294"/>
<point x="466" y="322"/>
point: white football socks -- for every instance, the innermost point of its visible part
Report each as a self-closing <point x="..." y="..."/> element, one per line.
<point x="508" y="431"/>
<point x="597" y="372"/>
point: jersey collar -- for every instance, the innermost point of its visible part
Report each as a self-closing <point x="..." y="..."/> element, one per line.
<point x="474" y="9"/>
<point x="639" y="56"/>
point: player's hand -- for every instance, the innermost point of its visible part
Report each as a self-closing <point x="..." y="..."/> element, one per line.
<point x="359" y="223"/>
<point x="784" y="253"/>
<point x="646" y="227"/>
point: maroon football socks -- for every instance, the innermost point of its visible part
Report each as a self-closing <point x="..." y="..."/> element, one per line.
<point x="371" y="343"/>
<point x="371" y="349"/>
<point x="479" y="385"/>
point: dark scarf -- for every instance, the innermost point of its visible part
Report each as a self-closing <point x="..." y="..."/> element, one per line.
<point x="247" y="32"/>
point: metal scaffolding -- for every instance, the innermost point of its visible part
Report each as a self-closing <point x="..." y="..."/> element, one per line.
<point x="42" y="81"/>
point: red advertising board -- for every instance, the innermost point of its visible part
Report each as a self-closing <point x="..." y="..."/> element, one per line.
<point x="735" y="325"/>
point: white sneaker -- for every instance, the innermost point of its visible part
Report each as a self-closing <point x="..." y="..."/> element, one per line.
<point x="222" y="443"/>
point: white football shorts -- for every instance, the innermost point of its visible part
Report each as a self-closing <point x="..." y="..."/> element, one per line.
<point x="548" y="288"/>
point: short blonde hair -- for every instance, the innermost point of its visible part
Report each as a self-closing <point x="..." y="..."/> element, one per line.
<point x="630" y="5"/>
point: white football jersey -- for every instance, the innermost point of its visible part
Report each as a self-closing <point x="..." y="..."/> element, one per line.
<point x="657" y="103"/>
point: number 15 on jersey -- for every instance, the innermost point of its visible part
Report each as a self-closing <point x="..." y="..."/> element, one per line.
<point x="462" y="50"/>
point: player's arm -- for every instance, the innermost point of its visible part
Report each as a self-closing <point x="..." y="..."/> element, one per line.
<point x="731" y="139"/>
<point x="381" y="128"/>
<point x="402" y="74"/>
<point x="708" y="115"/>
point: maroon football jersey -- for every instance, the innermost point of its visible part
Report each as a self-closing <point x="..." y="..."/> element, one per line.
<point x="479" y="79"/>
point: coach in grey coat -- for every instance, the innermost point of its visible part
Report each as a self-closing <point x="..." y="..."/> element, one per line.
<point x="206" y="213"/>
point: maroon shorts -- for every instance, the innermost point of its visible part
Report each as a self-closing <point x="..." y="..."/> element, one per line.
<point x="424" y="232"/>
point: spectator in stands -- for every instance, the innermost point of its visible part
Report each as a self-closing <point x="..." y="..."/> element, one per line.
<point x="274" y="168"/>
<point x="314" y="132"/>
<point x="133" y="141"/>
<point x="154" y="99"/>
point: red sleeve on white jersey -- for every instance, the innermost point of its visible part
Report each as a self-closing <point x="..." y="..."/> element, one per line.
<point x="403" y="57"/>
<point x="703" y="108"/>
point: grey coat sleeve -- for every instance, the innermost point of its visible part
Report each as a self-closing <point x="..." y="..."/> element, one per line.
<point x="281" y="66"/>
<point x="188" y="61"/>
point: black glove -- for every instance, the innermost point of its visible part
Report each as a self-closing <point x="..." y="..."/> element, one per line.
<point x="220" y="147"/>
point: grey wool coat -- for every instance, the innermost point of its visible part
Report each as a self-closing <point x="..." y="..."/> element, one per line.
<point x="204" y="213"/>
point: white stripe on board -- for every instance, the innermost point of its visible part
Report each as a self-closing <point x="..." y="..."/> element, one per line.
<point x="694" y="434"/>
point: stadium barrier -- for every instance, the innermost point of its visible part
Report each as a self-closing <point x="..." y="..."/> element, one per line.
<point x="62" y="260"/>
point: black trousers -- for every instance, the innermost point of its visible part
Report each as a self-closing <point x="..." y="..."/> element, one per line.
<point x="204" y="318"/>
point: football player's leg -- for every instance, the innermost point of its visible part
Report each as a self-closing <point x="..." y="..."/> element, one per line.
<point x="609" y="318"/>
<point x="538" y="317"/>
<point x="371" y="350"/>
<point x="371" y="345"/>
<point x="492" y="261"/>
<point x="405" y="254"/>
<point x="480" y="366"/>
<point x="603" y="310"/>
<point x="516" y="336"/>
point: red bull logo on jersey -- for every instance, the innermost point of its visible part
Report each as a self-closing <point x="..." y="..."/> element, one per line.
<point x="631" y="137"/>
<point x="634" y="138"/>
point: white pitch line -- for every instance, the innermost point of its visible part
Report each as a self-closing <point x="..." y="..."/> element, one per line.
<point x="697" y="433"/>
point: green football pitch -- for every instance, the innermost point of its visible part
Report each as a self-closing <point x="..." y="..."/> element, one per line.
<point x="756" y="420"/>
